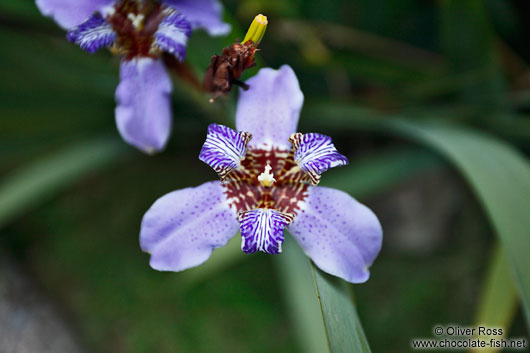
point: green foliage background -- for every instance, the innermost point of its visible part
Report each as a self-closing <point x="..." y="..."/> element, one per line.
<point x="411" y="91"/>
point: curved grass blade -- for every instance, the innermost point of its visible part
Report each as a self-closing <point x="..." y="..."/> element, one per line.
<point x="322" y="306"/>
<point x="295" y="271"/>
<point x="499" y="301"/>
<point x="34" y="183"/>
<point x="343" y="327"/>
<point x="500" y="177"/>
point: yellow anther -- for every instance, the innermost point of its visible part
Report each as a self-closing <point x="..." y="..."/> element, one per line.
<point x="256" y="30"/>
<point x="266" y="178"/>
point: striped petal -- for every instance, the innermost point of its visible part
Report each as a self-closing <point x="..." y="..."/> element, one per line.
<point x="224" y="149"/>
<point x="172" y="34"/>
<point x="315" y="153"/>
<point x="93" y="34"/>
<point x="262" y="230"/>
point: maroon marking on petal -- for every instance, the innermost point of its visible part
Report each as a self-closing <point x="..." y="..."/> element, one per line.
<point x="245" y="192"/>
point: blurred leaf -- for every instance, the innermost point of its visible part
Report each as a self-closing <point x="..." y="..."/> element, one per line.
<point x="467" y="38"/>
<point x="500" y="176"/>
<point x="33" y="183"/>
<point x="376" y="173"/>
<point x="298" y="284"/>
<point x="498" y="302"/>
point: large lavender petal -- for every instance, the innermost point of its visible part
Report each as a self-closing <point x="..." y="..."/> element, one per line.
<point x="224" y="148"/>
<point x="270" y="108"/>
<point x="315" y="153"/>
<point x="340" y="235"/>
<point x="262" y="230"/>
<point x="69" y="13"/>
<point x="182" y="228"/>
<point x="93" y="34"/>
<point x="202" y="14"/>
<point x="143" y="114"/>
<point x="172" y="34"/>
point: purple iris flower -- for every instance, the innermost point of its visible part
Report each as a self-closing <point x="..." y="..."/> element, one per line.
<point x="140" y="31"/>
<point x="268" y="183"/>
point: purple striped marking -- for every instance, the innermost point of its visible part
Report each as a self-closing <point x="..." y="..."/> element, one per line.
<point x="172" y="34"/>
<point x="224" y="149"/>
<point x="262" y="230"/>
<point x="315" y="153"/>
<point x="93" y="34"/>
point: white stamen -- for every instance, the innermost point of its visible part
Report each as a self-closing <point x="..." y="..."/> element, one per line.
<point x="137" y="20"/>
<point x="266" y="178"/>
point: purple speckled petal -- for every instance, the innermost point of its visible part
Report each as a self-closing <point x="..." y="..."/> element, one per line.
<point x="93" y="34"/>
<point x="143" y="114"/>
<point x="224" y="149"/>
<point x="340" y="235"/>
<point x="182" y="228"/>
<point x="262" y="230"/>
<point x="315" y="153"/>
<point x="172" y="34"/>
<point x="69" y="13"/>
<point x="270" y="108"/>
<point x="202" y="14"/>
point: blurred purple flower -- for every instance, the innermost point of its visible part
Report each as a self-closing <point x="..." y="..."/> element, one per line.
<point x="268" y="174"/>
<point x="141" y="31"/>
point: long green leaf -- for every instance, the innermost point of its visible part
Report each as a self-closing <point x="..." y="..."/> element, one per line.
<point x="498" y="302"/>
<point x="295" y="271"/>
<point x="34" y="183"/>
<point x="326" y="320"/>
<point x="500" y="177"/>
<point x="345" y="333"/>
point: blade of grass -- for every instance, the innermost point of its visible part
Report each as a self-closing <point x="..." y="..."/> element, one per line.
<point x="296" y="275"/>
<point x="498" y="302"/>
<point x="322" y="306"/>
<point x="468" y="41"/>
<point x="500" y="177"/>
<point x="343" y="327"/>
<point x="34" y="183"/>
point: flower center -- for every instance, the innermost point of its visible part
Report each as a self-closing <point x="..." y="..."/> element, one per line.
<point x="135" y="23"/>
<point x="267" y="179"/>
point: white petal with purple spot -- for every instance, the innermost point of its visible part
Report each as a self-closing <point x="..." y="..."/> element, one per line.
<point x="262" y="230"/>
<point x="270" y="108"/>
<point x="340" y="235"/>
<point x="93" y="34"/>
<point x="224" y="149"/>
<point x="182" y="228"/>
<point x="173" y="33"/>
<point x="315" y="153"/>
<point x="69" y="13"/>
